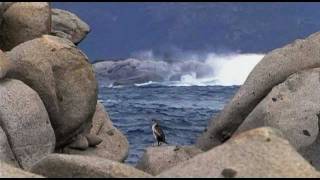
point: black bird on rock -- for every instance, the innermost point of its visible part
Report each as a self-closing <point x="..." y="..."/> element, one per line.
<point x="158" y="132"/>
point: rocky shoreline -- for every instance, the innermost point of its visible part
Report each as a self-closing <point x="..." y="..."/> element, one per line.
<point x="51" y="124"/>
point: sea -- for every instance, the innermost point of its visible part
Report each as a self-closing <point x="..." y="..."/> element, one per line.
<point x="183" y="107"/>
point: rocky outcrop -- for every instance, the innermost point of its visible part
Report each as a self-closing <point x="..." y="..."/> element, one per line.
<point x="260" y="152"/>
<point x="158" y="159"/>
<point x="26" y="123"/>
<point x="67" y="25"/>
<point x="273" y="69"/>
<point x="114" y="144"/>
<point x="64" y="79"/>
<point x="23" y="21"/>
<point x="7" y="171"/>
<point x="72" y="166"/>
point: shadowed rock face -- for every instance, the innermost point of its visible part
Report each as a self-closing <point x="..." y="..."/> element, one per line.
<point x="260" y="152"/>
<point x="114" y="145"/>
<point x="5" y="65"/>
<point x="65" y="81"/>
<point x="72" y="166"/>
<point x="23" y="21"/>
<point x="273" y="69"/>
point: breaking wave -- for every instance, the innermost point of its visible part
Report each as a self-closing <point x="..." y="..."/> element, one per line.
<point x="210" y="70"/>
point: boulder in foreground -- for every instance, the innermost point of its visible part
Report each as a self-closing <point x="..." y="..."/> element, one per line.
<point x="63" y="78"/>
<point x="260" y="152"/>
<point x="158" y="159"/>
<point x="75" y="166"/>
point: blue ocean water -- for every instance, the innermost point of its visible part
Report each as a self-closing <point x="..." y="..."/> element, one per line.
<point x="183" y="112"/>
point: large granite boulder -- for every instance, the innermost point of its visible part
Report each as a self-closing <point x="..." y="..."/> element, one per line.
<point x="67" y="25"/>
<point x="7" y="171"/>
<point x="273" y="69"/>
<point x="75" y="166"/>
<point x="113" y="145"/>
<point x="158" y="159"/>
<point x="23" y="21"/>
<point x="256" y="153"/>
<point x="292" y="107"/>
<point x="25" y="121"/>
<point x="64" y="79"/>
<point x="6" y="154"/>
<point x="5" y="65"/>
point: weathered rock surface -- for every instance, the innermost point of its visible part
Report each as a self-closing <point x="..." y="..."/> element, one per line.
<point x="67" y="25"/>
<point x="23" y="21"/>
<point x="71" y="166"/>
<point x="25" y="121"/>
<point x="65" y="81"/>
<point x="100" y="118"/>
<point x="114" y="145"/>
<point x="158" y="159"/>
<point x="273" y="69"/>
<point x="292" y="107"/>
<point x="256" y="153"/>
<point x="6" y="154"/>
<point x="5" y="65"/>
<point x="114" y="142"/>
<point x="7" y="171"/>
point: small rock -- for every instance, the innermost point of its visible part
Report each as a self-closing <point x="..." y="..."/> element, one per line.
<point x="158" y="159"/>
<point x="93" y="140"/>
<point x="80" y="143"/>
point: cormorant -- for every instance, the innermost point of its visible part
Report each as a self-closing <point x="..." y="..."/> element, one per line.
<point x="158" y="133"/>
